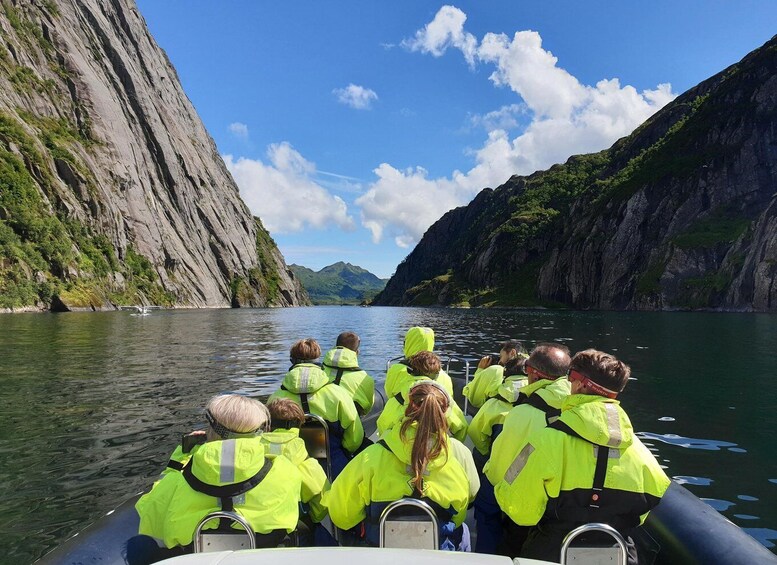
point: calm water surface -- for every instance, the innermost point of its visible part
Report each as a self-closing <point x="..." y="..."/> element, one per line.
<point x="92" y="404"/>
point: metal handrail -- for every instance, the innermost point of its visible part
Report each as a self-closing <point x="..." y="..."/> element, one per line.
<point x="248" y="530"/>
<point x="594" y="527"/>
<point x="418" y="504"/>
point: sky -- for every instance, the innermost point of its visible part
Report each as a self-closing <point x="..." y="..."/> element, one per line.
<point x="350" y="127"/>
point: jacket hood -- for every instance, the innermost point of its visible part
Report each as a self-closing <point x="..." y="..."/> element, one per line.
<point x="404" y="449"/>
<point x="228" y="461"/>
<point x="341" y="358"/>
<point x="305" y="378"/>
<point x="284" y="442"/>
<point x="511" y="386"/>
<point x="552" y="392"/>
<point x="418" y="339"/>
<point x="599" y="420"/>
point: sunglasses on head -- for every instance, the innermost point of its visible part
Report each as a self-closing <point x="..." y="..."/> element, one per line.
<point x="532" y="371"/>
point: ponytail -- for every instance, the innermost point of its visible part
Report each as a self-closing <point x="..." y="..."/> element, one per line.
<point x="427" y="404"/>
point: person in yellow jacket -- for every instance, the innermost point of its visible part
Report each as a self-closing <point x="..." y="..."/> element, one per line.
<point x="341" y="365"/>
<point x="538" y="401"/>
<point x="413" y="460"/>
<point x="308" y="385"/>
<point x="399" y="377"/>
<point x="588" y="466"/>
<point x="490" y="373"/>
<point x="230" y="471"/>
<point x="423" y="366"/>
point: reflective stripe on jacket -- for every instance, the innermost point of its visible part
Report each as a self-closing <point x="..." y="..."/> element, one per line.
<point x="342" y="367"/>
<point x="542" y="482"/>
<point x="331" y="402"/>
<point x="172" y="509"/>
<point x="521" y="421"/>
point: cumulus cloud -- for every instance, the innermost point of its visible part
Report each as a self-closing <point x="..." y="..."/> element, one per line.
<point x="239" y="130"/>
<point x="564" y="116"/>
<point x="283" y="193"/>
<point x="355" y="96"/>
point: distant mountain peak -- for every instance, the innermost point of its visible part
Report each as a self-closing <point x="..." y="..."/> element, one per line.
<point x="339" y="283"/>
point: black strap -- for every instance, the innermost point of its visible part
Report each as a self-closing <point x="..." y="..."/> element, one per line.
<point x="225" y="491"/>
<point x="399" y="398"/>
<point x="303" y="398"/>
<point x="602" y="455"/>
<point x="341" y="371"/>
<point x="175" y="465"/>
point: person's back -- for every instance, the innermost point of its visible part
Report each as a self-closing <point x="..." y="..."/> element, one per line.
<point x="229" y="471"/>
<point x="283" y="440"/>
<point x="422" y="366"/>
<point x="412" y="460"/>
<point x="341" y="365"/>
<point x="308" y="385"/>
<point x="614" y="479"/>
<point x="488" y="422"/>
<point x="399" y="377"/>
<point x="490" y="374"/>
<point x="539" y="400"/>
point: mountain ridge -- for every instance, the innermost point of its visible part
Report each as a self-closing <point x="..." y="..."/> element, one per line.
<point x="339" y="283"/>
<point x="678" y="215"/>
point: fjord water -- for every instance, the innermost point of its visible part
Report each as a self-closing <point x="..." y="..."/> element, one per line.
<point x="91" y="405"/>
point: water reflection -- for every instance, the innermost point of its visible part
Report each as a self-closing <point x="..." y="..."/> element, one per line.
<point x="691" y="443"/>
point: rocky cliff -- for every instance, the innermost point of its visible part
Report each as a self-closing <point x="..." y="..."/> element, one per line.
<point x="111" y="190"/>
<point x="682" y="214"/>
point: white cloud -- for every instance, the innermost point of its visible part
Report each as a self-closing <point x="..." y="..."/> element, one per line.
<point x="566" y="118"/>
<point x="283" y="193"/>
<point x="444" y="31"/>
<point x="239" y="130"/>
<point x="355" y="96"/>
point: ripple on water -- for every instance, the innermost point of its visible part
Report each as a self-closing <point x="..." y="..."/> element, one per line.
<point x="737" y="450"/>
<point x="666" y="419"/>
<point x="689" y="480"/>
<point x="763" y="535"/>
<point x="717" y="504"/>
<point x="690" y="443"/>
<point x="747" y="497"/>
<point x="745" y="517"/>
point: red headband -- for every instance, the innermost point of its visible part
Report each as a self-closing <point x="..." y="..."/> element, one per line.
<point x="595" y="387"/>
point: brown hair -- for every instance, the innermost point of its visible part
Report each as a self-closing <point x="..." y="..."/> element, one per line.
<point x="425" y="363"/>
<point x="426" y="407"/>
<point x="305" y="350"/>
<point x="286" y="410"/>
<point x="551" y="359"/>
<point x="513" y="345"/>
<point x="348" y="340"/>
<point x="602" y="368"/>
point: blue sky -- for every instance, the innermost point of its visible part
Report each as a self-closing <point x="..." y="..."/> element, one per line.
<point x="351" y="126"/>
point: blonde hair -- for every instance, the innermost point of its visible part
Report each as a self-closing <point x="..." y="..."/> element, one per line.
<point x="427" y="404"/>
<point x="305" y="350"/>
<point x="238" y="414"/>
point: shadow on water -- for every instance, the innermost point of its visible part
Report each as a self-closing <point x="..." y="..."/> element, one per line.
<point x="92" y="404"/>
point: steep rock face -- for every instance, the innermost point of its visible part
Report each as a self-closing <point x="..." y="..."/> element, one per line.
<point x="114" y="162"/>
<point x="679" y="215"/>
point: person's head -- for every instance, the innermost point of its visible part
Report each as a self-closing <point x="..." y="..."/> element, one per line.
<point x="305" y="350"/>
<point x="286" y="413"/>
<point x="514" y="366"/>
<point x="349" y="340"/>
<point x="418" y="339"/>
<point x="510" y="350"/>
<point x="547" y="361"/>
<point x="425" y="363"/>
<point x="233" y="415"/>
<point x="596" y="372"/>
<point x="427" y="403"/>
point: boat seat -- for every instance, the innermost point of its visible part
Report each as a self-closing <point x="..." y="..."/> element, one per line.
<point x="315" y="434"/>
<point x="594" y="554"/>
<point x="409" y="523"/>
<point x="207" y="541"/>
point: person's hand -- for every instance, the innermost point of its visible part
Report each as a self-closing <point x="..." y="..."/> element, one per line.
<point x="484" y="362"/>
<point x="196" y="433"/>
